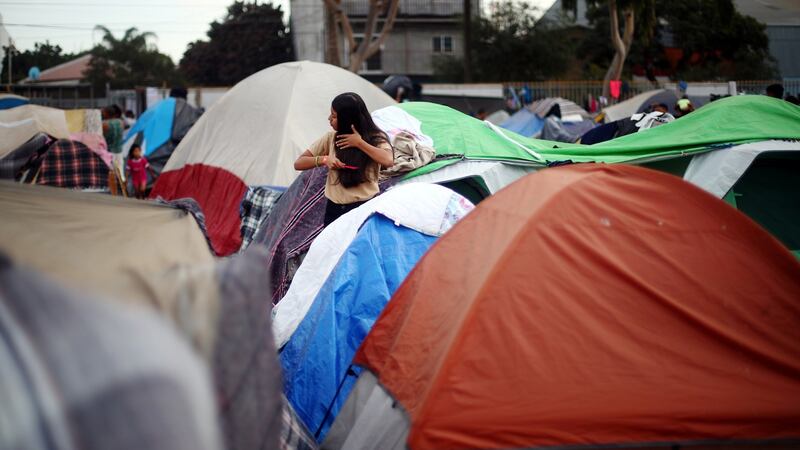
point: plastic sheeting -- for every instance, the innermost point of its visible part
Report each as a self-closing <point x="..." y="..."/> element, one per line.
<point x="155" y="124"/>
<point x="427" y="208"/>
<point x="317" y="357"/>
<point x="524" y="122"/>
<point x="585" y="306"/>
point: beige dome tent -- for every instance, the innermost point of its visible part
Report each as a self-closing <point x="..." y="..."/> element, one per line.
<point x="252" y="136"/>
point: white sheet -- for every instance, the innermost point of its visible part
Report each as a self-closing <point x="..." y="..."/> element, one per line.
<point x="393" y="120"/>
<point x="419" y="206"/>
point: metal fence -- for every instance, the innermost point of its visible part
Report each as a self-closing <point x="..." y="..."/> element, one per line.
<point x="790" y="87"/>
<point x="579" y="91"/>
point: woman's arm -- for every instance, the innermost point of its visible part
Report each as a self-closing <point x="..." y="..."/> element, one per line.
<point x="306" y="161"/>
<point x="380" y="155"/>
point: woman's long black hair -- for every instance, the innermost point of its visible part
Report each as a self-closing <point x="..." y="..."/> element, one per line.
<point x="351" y="111"/>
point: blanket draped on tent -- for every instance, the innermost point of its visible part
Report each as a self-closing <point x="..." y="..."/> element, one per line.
<point x="293" y="224"/>
<point x="71" y="164"/>
<point x="257" y="205"/>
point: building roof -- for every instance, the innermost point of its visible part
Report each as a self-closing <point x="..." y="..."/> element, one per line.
<point x="69" y="71"/>
<point x="771" y="12"/>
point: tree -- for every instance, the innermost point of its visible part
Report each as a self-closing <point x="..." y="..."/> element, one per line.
<point x="510" y="44"/>
<point x="44" y="56"/>
<point x="370" y="44"/>
<point x="622" y="38"/>
<point x="251" y="37"/>
<point x="129" y="62"/>
<point x="715" y="42"/>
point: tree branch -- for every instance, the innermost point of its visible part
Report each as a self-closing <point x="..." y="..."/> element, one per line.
<point x="630" y="17"/>
<point x="369" y="46"/>
<point x="616" y="39"/>
<point x="336" y="7"/>
<point x="386" y="29"/>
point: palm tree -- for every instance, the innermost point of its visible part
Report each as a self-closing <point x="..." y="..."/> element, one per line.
<point x="130" y="60"/>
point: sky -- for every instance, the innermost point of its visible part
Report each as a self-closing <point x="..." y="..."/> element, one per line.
<point x="70" y="23"/>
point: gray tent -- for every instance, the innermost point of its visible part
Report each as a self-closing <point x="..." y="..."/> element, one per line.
<point x="154" y="256"/>
<point x="81" y="373"/>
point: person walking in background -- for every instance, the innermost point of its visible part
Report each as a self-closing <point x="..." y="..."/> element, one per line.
<point x="113" y="128"/>
<point x="683" y="107"/>
<point x="775" y="90"/>
<point x="137" y="168"/>
<point x="354" y="153"/>
<point x="129" y="119"/>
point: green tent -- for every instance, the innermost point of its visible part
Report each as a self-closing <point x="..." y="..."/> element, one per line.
<point x="732" y="120"/>
<point x="764" y="190"/>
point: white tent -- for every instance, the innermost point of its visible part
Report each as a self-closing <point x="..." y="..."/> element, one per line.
<point x="19" y="124"/>
<point x="638" y="103"/>
<point x="258" y="128"/>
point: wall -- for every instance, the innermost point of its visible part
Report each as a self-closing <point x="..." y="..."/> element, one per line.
<point x="409" y="48"/>
<point x="308" y="23"/>
<point x="784" y="45"/>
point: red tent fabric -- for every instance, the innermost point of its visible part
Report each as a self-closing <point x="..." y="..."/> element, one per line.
<point x="218" y="192"/>
<point x="595" y="305"/>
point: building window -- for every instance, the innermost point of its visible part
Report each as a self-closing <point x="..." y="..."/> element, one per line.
<point x="443" y="44"/>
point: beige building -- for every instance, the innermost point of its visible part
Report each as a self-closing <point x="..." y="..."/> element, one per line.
<point x="424" y="30"/>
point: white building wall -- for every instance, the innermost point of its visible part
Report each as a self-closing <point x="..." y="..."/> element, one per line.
<point x="308" y="29"/>
<point x="5" y="40"/>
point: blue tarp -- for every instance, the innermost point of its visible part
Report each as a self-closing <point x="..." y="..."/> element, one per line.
<point x="317" y="357"/>
<point x="8" y="102"/>
<point x="156" y="123"/>
<point x="523" y="122"/>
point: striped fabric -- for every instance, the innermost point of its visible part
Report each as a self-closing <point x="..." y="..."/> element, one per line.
<point x="294" y="223"/>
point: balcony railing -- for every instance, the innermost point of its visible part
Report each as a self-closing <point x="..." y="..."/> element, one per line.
<point x="411" y="8"/>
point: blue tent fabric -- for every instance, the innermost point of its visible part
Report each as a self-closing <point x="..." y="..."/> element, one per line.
<point x="8" y="102"/>
<point x="317" y="357"/>
<point x="523" y="122"/>
<point x="156" y="124"/>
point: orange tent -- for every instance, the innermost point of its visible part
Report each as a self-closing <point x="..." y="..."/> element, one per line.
<point x="593" y="305"/>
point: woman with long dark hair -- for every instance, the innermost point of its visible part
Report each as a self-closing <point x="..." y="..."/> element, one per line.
<point x="354" y="154"/>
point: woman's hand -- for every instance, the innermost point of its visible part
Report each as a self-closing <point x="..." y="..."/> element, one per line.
<point x="349" y="140"/>
<point x="332" y="162"/>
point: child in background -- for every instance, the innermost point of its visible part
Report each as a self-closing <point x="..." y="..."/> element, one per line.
<point x="137" y="171"/>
